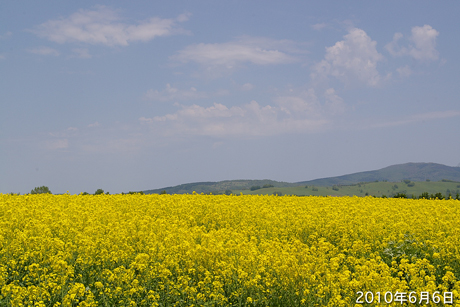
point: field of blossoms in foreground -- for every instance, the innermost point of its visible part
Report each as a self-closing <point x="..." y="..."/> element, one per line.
<point x="205" y="250"/>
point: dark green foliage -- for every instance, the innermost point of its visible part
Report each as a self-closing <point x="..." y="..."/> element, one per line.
<point x="255" y="187"/>
<point x="278" y="193"/>
<point x="41" y="190"/>
<point x="228" y="192"/>
<point x="411" y="184"/>
<point x="163" y="192"/>
<point x="99" y="192"/>
<point x="424" y="195"/>
<point x="406" y="181"/>
<point x="400" y="195"/>
<point x="335" y="188"/>
<point x="375" y="189"/>
<point x="267" y="186"/>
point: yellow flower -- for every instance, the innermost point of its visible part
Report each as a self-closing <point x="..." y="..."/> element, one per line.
<point x="141" y="250"/>
<point x="98" y="285"/>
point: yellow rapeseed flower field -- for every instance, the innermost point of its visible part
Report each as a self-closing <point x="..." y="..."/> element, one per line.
<point x="205" y="250"/>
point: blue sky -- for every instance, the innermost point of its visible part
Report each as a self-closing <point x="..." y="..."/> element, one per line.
<point x="136" y="95"/>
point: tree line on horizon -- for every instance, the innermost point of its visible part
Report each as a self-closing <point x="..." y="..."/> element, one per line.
<point x="424" y="195"/>
<point x="45" y="190"/>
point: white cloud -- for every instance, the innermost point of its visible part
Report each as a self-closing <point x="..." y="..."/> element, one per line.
<point x="103" y="26"/>
<point x="291" y="114"/>
<point x="354" y="58"/>
<point x="334" y="102"/>
<point x="404" y="71"/>
<point x="82" y="53"/>
<point x="259" y="51"/>
<point x="57" y="144"/>
<point x="422" y="44"/>
<point x="298" y="105"/>
<point x="420" y="117"/>
<point x="174" y="94"/>
<point x="95" y="124"/>
<point x="319" y="26"/>
<point x="247" y="87"/>
<point x="44" y="51"/>
<point x="6" y="35"/>
<point x="65" y="134"/>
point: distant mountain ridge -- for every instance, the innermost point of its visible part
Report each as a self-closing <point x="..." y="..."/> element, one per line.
<point x="393" y="173"/>
<point x="206" y="187"/>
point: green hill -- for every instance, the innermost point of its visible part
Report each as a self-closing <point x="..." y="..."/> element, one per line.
<point x="216" y="187"/>
<point x="394" y="173"/>
<point x="387" y="177"/>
